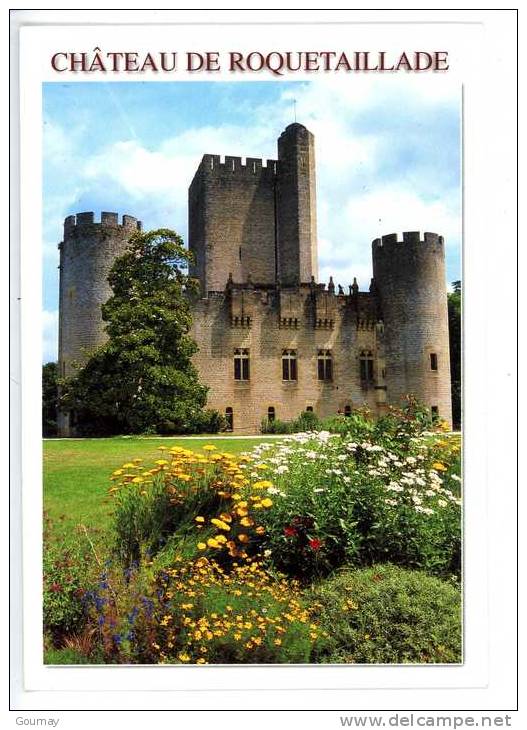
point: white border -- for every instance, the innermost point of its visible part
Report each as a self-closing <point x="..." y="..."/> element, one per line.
<point x="489" y="217"/>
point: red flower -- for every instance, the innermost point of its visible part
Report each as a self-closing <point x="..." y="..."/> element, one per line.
<point x="56" y="588"/>
<point x="290" y="531"/>
<point x="315" y="544"/>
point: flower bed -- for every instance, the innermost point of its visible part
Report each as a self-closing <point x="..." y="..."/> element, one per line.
<point x="214" y="556"/>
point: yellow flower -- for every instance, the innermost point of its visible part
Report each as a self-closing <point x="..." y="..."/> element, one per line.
<point x="220" y="524"/>
<point x="183" y="657"/>
<point x="262" y="467"/>
<point x="242" y="512"/>
<point x="202" y="546"/>
<point x="184" y="477"/>
<point x="187" y="606"/>
<point x="438" y="466"/>
<point x="266" y="502"/>
<point x="161" y="462"/>
<point x="137" y="480"/>
<point x="225" y="517"/>
<point x="201" y="660"/>
<point x="221" y="539"/>
<point x="278" y="642"/>
<point x="262" y="485"/>
<point x="243" y="538"/>
<point x="209" y="447"/>
<point x="129" y="465"/>
<point x="260" y="530"/>
<point x="211" y="542"/>
<point x="246" y="522"/>
<point x="199" y="519"/>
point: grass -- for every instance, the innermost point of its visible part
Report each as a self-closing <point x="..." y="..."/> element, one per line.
<point x="76" y="474"/>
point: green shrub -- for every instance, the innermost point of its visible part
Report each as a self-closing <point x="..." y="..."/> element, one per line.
<point x="65" y="581"/>
<point x="64" y="656"/>
<point x="275" y="426"/>
<point x="339" y="502"/>
<point x="388" y="615"/>
<point x="196" y="612"/>
<point x="358" y="425"/>
<point x="306" y="421"/>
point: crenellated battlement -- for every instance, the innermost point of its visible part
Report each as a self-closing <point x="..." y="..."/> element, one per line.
<point x="410" y="238"/>
<point x="108" y="220"/>
<point x="230" y="165"/>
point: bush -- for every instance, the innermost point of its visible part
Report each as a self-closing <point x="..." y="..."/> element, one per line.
<point x="388" y="615"/>
<point x="196" y="612"/>
<point x="65" y="581"/>
<point x="178" y="498"/>
<point x="276" y="426"/>
<point x="358" y="425"/>
<point x="336" y="501"/>
<point x="306" y="421"/>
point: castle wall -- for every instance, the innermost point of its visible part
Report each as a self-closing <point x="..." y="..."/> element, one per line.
<point x="232" y="221"/>
<point x="267" y="329"/>
<point x="410" y="281"/>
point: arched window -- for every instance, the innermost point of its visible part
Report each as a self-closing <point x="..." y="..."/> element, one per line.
<point x="289" y="370"/>
<point x="325" y="365"/>
<point x="366" y="366"/>
<point x="229" y="419"/>
<point x="435" y="412"/>
<point x="347" y="410"/>
<point x="309" y="409"/>
<point x="241" y="364"/>
<point x="271" y="414"/>
<point x="433" y="361"/>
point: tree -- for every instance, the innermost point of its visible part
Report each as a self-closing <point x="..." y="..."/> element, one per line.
<point x="454" y="328"/>
<point x="142" y="379"/>
<point x="49" y="399"/>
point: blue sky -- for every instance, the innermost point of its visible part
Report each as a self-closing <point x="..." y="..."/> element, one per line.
<point x="387" y="152"/>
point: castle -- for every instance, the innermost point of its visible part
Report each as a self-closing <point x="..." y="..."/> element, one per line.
<point x="273" y="341"/>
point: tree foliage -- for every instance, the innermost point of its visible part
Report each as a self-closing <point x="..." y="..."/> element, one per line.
<point x="49" y="399"/>
<point x="142" y="379"/>
<point x="454" y="328"/>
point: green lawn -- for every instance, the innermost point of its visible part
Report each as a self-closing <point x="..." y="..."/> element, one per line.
<point x="76" y="474"/>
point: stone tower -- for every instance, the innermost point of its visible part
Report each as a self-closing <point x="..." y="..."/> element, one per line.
<point x="232" y="221"/>
<point x="86" y="256"/>
<point x="255" y="221"/>
<point x="296" y="207"/>
<point x="409" y="279"/>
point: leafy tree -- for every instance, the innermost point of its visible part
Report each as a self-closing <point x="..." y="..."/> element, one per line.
<point x="142" y="379"/>
<point x="49" y="399"/>
<point x="454" y="325"/>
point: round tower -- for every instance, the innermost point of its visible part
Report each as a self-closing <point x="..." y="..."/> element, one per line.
<point x="410" y="282"/>
<point x="296" y="214"/>
<point x="86" y="257"/>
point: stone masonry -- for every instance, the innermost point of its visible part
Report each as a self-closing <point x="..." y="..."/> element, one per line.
<point x="273" y="341"/>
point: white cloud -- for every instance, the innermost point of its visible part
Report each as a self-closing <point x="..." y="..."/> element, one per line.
<point x="50" y="327"/>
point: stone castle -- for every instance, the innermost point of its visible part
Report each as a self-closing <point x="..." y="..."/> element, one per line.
<point x="273" y="341"/>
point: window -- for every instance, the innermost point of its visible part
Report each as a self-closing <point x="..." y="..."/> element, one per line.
<point x="289" y="371"/>
<point x="229" y="419"/>
<point x="347" y="410"/>
<point x="366" y="366"/>
<point x="271" y="414"/>
<point x="309" y="409"/>
<point x="433" y="361"/>
<point x="435" y="412"/>
<point x="241" y="364"/>
<point x="325" y="365"/>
